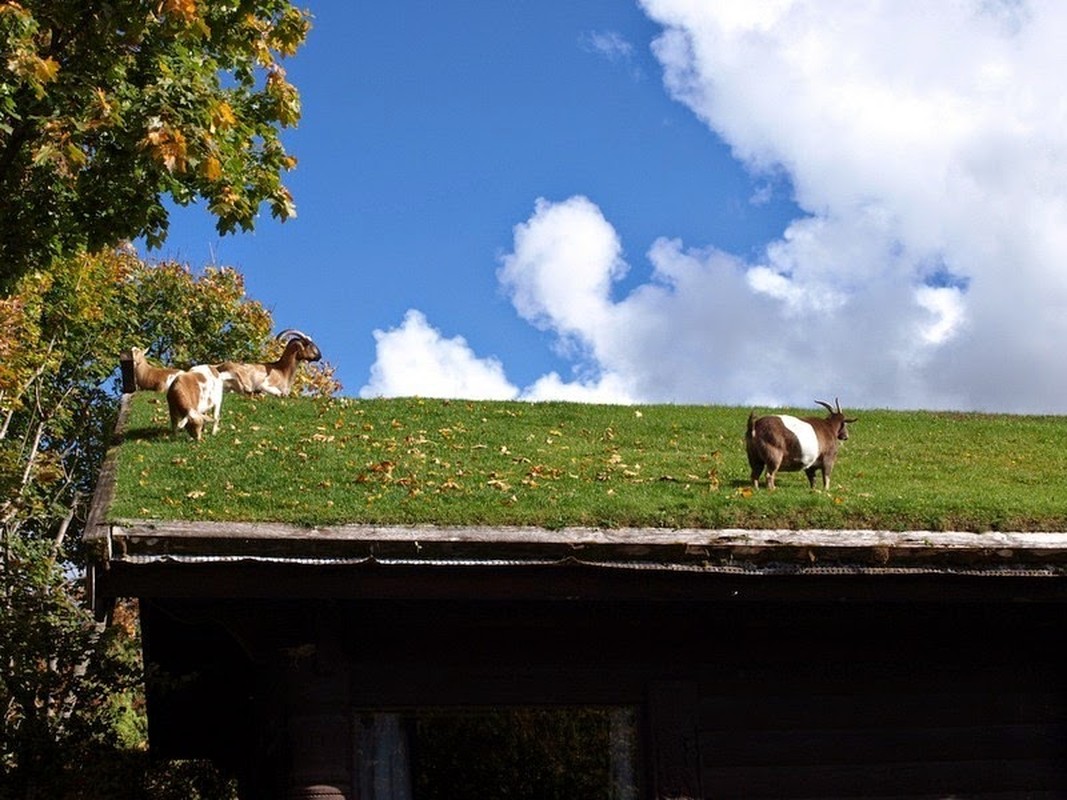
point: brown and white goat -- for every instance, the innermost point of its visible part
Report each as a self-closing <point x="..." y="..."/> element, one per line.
<point x="782" y="442"/>
<point x="274" y="377"/>
<point x="148" y="376"/>
<point x="195" y="397"/>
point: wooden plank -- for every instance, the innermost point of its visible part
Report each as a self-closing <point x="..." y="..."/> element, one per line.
<point x="925" y="737"/>
<point x="674" y="740"/>
<point x="803" y="552"/>
<point x="97" y="531"/>
<point x="875" y="779"/>
<point x="97" y="535"/>
<point x="287" y="579"/>
<point x="636" y="538"/>
<point x="1008" y="705"/>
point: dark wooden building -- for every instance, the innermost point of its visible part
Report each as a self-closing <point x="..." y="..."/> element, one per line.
<point x="369" y="662"/>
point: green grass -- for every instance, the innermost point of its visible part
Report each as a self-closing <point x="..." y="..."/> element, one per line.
<point x="407" y="461"/>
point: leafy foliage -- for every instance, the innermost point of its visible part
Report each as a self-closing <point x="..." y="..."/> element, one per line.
<point x="412" y="460"/>
<point x="535" y="753"/>
<point x="106" y="108"/>
<point x="69" y="686"/>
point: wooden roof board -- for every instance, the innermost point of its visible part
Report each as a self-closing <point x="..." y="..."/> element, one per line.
<point x="150" y="539"/>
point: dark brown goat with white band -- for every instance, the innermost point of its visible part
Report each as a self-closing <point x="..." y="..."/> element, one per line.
<point x="782" y="442"/>
<point x="273" y="377"/>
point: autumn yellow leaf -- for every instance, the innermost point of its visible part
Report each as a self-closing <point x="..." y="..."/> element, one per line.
<point x="45" y="69"/>
<point x="185" y="10"/>
<point x="222" y="116"/>
<point x="211" y="168"/>
<point x="167" y="146"/>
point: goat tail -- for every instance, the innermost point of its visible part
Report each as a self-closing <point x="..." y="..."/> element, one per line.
<point x="750" y="431"/>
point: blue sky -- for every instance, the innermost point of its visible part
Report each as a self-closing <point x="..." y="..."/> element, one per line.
<point x="674" y="201"/>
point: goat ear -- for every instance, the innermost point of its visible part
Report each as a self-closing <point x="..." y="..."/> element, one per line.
<point x="853" y="419"/>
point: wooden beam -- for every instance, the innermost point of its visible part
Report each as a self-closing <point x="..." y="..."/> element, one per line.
<point x="682" y="548"/>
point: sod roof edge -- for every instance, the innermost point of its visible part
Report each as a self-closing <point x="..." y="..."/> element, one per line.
<point x="133" y="544"/>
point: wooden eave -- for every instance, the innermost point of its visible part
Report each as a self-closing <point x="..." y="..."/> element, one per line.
<point x="729" y="550"/>
<point x="226" y="560"/>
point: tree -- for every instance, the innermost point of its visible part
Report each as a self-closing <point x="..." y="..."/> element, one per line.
<point x="107" y="108"/>
<point x="69" y="689"/>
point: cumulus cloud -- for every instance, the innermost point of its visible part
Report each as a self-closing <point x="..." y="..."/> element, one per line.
<point x="416" y="360"/>
<point x="926" y="144"/>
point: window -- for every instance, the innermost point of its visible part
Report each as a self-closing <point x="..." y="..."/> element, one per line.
<point x="522" y="753"/>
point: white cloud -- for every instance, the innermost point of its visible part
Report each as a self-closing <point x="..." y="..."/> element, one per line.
<point x="614" y="48"/>
<point x="559" y="276"/>
<point x="920" y="137"/>
<point x="609" y="44"/>
<point x="927" y="146"/>
<point x="416" y="360"/>
<point x="609" y="389"/>
<point x="945" y="305"/>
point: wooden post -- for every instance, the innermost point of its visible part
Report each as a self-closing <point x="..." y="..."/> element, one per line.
<point x="129" y="384"/>
<point x="672" y="711"/>
<point x="320" y="746"/>
<point x="318" y="721"/>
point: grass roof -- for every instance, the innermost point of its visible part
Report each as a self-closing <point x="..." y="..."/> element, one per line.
<point x="455" y="462"/>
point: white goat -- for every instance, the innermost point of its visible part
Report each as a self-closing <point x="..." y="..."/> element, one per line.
<point x="150" y="377"/>
<point x="787" y="443"/>
<point x="274" y="377"/>
<point x="195" y="397"/>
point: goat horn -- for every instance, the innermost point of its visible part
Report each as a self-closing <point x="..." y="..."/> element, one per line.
<point x="825" y="405"/>
<point x="292" y="333"/>
<point x="838" y="404"/>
